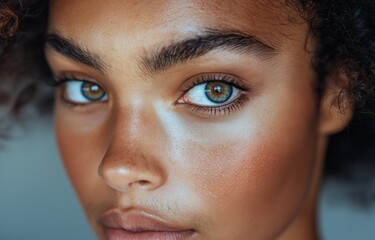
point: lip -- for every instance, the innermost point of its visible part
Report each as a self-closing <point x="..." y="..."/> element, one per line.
<point x="140" y="225"/>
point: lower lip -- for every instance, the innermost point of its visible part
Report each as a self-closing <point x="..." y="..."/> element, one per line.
<point x="122" y="234"/>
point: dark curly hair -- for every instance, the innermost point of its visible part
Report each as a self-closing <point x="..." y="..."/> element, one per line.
<point x="22" y="63"/>
<point x="344" y="35"/>
<point x="8" y="18"/>
<point x="8" y="27"/>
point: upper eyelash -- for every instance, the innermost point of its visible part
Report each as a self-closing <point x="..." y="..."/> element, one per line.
<point x="214" y="78"/>
<point x="217" y="110"/>
<point x="59" y="81"/>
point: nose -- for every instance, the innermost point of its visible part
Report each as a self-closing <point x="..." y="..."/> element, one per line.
<point x="133" y="159"/>
<point x="132" y="171"/>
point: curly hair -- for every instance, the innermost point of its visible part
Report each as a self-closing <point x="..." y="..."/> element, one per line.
<point x="22" y="63"/>
<point x="344" y="35"/>
<point x="8" y="26"/>
<point x="8" y="18"/>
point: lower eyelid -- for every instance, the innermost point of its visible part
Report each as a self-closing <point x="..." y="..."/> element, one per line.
<point x="204" y="111"/>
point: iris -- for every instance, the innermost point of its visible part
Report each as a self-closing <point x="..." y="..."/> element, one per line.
<point x="218" y="92"/>
<point x="92" y="91"/>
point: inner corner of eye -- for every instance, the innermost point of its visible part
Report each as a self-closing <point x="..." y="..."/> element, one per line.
<point x="182" y="100"/>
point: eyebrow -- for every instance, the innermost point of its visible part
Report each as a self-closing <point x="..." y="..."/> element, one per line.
<point x="171" y="55"/>
<point x="212" y="39"/>
<point x="71" y="49"/>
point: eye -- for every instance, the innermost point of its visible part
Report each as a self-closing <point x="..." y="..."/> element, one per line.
<point x="77" y="91"/>
<point x="211" y="94"/>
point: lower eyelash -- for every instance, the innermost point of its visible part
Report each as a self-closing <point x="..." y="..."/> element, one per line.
<point x="224" y="110"/>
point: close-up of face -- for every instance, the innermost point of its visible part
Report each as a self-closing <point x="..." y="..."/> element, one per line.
<point x="189" y="119"/>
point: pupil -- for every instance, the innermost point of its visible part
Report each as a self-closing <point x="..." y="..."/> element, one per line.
<point x="217" y="89"/>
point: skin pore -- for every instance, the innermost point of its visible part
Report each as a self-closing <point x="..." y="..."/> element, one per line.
<point x="139" y="135"/>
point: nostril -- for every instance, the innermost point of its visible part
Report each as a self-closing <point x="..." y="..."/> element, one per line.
<point x="143" y="182"/>
<point x="122" y="175"/>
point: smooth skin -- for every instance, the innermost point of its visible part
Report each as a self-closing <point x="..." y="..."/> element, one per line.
<point x="248" y="169"/>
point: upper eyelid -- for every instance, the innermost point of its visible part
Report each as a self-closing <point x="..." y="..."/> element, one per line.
<point x="214" y="77"/>
<point x="63" y="78"/>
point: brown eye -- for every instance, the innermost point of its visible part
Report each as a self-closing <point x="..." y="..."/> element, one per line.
<point x="76" y="91"/>
<point x="218" y="92"/>
<point x="92" y="91"/>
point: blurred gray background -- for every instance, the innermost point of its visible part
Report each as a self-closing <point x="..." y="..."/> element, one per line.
<point x="37" y="202"/>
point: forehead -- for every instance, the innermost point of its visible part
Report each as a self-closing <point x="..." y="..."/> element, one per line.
<point x="266" y="19"/>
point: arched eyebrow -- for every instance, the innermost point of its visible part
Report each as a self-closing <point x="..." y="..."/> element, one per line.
<point x="211" y="39"/>
<point x="73" y="50"/>
<point x="166" y="57"/>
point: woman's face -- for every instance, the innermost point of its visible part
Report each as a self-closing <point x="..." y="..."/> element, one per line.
<point x="185" y="119"/>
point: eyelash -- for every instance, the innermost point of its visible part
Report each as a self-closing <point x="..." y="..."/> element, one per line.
<point x="227" y="109"/>
<point x="233" y="106"/>
<point x="219" y="111"/>
<point x="59" y="81"/>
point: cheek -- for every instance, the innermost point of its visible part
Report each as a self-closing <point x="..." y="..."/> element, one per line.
<point x="82" y="144"/>
<point x="256" y="170"/>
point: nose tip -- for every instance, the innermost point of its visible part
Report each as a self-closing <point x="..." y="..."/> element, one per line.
<point x="132" y="159"/>
<point x="123" y="178"/>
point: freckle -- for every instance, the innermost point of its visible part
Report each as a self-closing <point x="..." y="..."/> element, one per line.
<point x="130" y="162"/>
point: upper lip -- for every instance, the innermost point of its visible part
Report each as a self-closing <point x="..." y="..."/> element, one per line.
<point x="138" y="221"/>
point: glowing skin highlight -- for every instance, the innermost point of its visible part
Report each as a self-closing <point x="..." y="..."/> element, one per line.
<point x="154" y="158"/>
